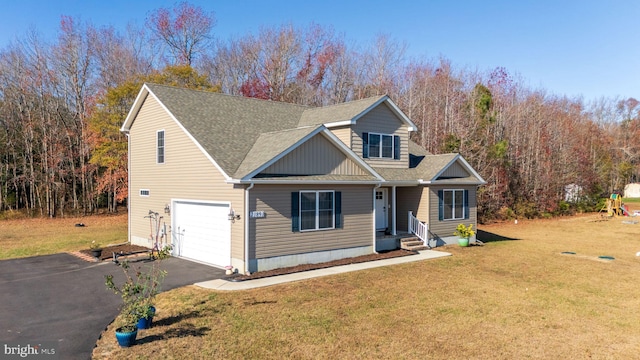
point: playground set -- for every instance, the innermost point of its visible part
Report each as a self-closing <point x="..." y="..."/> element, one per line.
<point x="615" y="207"/>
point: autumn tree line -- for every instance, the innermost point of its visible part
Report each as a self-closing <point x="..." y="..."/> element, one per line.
<point x="62" y="103"/>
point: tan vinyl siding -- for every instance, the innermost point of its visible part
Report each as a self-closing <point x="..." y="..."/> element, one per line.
<point x="343" y="133"/>
<point x="446" y="228"/>
<point x="382" y="120"/>
<point x="272" y="235"/>
<point x="456" y="170"/>
<point x="186" y="174"/>
<point x="414" y="199"/>
<point x="317" y="156"/>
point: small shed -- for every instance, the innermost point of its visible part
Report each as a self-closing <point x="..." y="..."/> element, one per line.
<point x="572" y="193"/>
<point x="632" y="190"/>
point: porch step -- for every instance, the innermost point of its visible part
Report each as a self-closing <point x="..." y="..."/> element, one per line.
<point x="412" y="244"/>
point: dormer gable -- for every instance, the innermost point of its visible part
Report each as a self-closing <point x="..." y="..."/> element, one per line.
<point x="374" y="128"/>
<point x="457" y="170"/>
<point x="347" y="114"/>
<point x="316" y="156"/>
<point x="454" y="171"/>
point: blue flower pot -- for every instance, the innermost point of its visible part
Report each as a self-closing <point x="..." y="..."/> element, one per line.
<point x="145" y="323"/>
<point x="126" y="339"/>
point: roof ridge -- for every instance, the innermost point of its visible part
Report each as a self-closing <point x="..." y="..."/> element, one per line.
<point x="221" y="94"/>
<point x="291" y="129"/>
<point x="346" y="102"/>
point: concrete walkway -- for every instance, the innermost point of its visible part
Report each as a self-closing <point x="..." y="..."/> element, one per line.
<point x="225" y="285"/>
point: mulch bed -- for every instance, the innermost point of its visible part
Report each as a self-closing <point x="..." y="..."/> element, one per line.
<point x="307" y="267"/>
<point x="107" y="254"/>
<point x="107" y="251"/>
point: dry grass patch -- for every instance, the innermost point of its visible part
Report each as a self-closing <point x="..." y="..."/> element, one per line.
<point x="30" y="237"/>
<point x="507" y="300"/>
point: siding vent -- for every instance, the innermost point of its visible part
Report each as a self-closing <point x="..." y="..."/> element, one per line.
<point x="145" y="192"/>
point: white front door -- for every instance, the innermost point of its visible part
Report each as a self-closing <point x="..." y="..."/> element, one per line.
<point x="381" y="209"/>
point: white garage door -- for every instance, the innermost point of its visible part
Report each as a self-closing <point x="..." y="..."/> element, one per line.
<point x="202" y="232"/>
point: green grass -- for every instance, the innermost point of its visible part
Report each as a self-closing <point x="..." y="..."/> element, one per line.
<point x="31" y="237"/>
<point x="510" y="299"/>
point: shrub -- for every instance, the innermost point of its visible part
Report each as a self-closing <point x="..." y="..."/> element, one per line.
<point x="138" y="290"/>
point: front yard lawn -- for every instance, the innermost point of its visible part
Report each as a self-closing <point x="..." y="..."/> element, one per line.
<point x="516" y="297"/>
<point x="43" y="236"/>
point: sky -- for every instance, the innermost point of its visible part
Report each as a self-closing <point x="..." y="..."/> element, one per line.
<point x="577" y="48"/>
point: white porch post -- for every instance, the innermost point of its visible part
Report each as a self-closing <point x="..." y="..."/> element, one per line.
<point x="393" y="210"/>
<point x="373" y="204"/>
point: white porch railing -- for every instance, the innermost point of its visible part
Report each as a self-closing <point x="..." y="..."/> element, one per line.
<point x="418" y="228"/>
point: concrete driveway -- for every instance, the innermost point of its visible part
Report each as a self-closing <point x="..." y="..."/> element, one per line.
<point x="62" y="300"/>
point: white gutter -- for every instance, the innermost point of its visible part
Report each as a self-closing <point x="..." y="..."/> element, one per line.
<point x="303" y="182"/>
<point x="402" y="183"/>
<point x="246" y="228"/>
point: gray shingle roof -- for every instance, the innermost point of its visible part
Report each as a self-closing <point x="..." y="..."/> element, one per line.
<point x="242" y="134"/>
<point x="226" y="126"/>
<point x="427" y="168"/>
<point x="339" y="112"/>
<point x="417" y="150"/>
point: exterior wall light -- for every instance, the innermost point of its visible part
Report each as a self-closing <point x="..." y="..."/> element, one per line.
<point x="232" y="216"/>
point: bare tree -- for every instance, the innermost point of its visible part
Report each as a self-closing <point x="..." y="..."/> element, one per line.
<point x="185" y="29"/>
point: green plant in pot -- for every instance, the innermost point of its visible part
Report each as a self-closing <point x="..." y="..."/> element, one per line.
<point x="146" y="316"/>
<point x="95" y="249"/>
<point x="464" y="233"/>
<point x="138" y="290"/>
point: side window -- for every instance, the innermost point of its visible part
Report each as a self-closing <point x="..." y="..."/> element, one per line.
<point x="160" y="146"/>
<point x="454" y="204"/>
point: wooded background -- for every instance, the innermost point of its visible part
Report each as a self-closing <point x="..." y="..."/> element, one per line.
<point x="62" y="104"/>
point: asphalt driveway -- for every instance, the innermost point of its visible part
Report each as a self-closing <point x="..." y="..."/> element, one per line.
<point x="62" y="299"/>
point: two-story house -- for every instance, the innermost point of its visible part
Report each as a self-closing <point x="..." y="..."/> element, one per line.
<point x="260" y="184"/>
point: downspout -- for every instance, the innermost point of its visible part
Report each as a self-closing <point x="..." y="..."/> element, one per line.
<point x="128" y="185"/>
<point x="246" y="227"/>
<point x="373" y="200"/>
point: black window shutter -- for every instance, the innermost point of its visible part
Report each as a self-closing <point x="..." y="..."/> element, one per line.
<point x="365" y="145"/>
<point x="396" y="147"/>
<point x="338" y="209"/>
<point x="295" y="212"/>
<point x="440" y="205"/>
<point x="466" y="203"/>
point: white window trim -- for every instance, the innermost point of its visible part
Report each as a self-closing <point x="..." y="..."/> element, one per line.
<point x="444" y="217"/>
<point x="148" y="192"/>
<point x="379" y="155"/>
<point x="164" y="147"/>
<point x="317" y="210"/>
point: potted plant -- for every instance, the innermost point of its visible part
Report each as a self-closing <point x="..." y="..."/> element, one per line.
<point x="464" y="233"/>
<point x="95" y="248"/>
<point x="146" y="317"/>
<point x="138" y="291"/>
